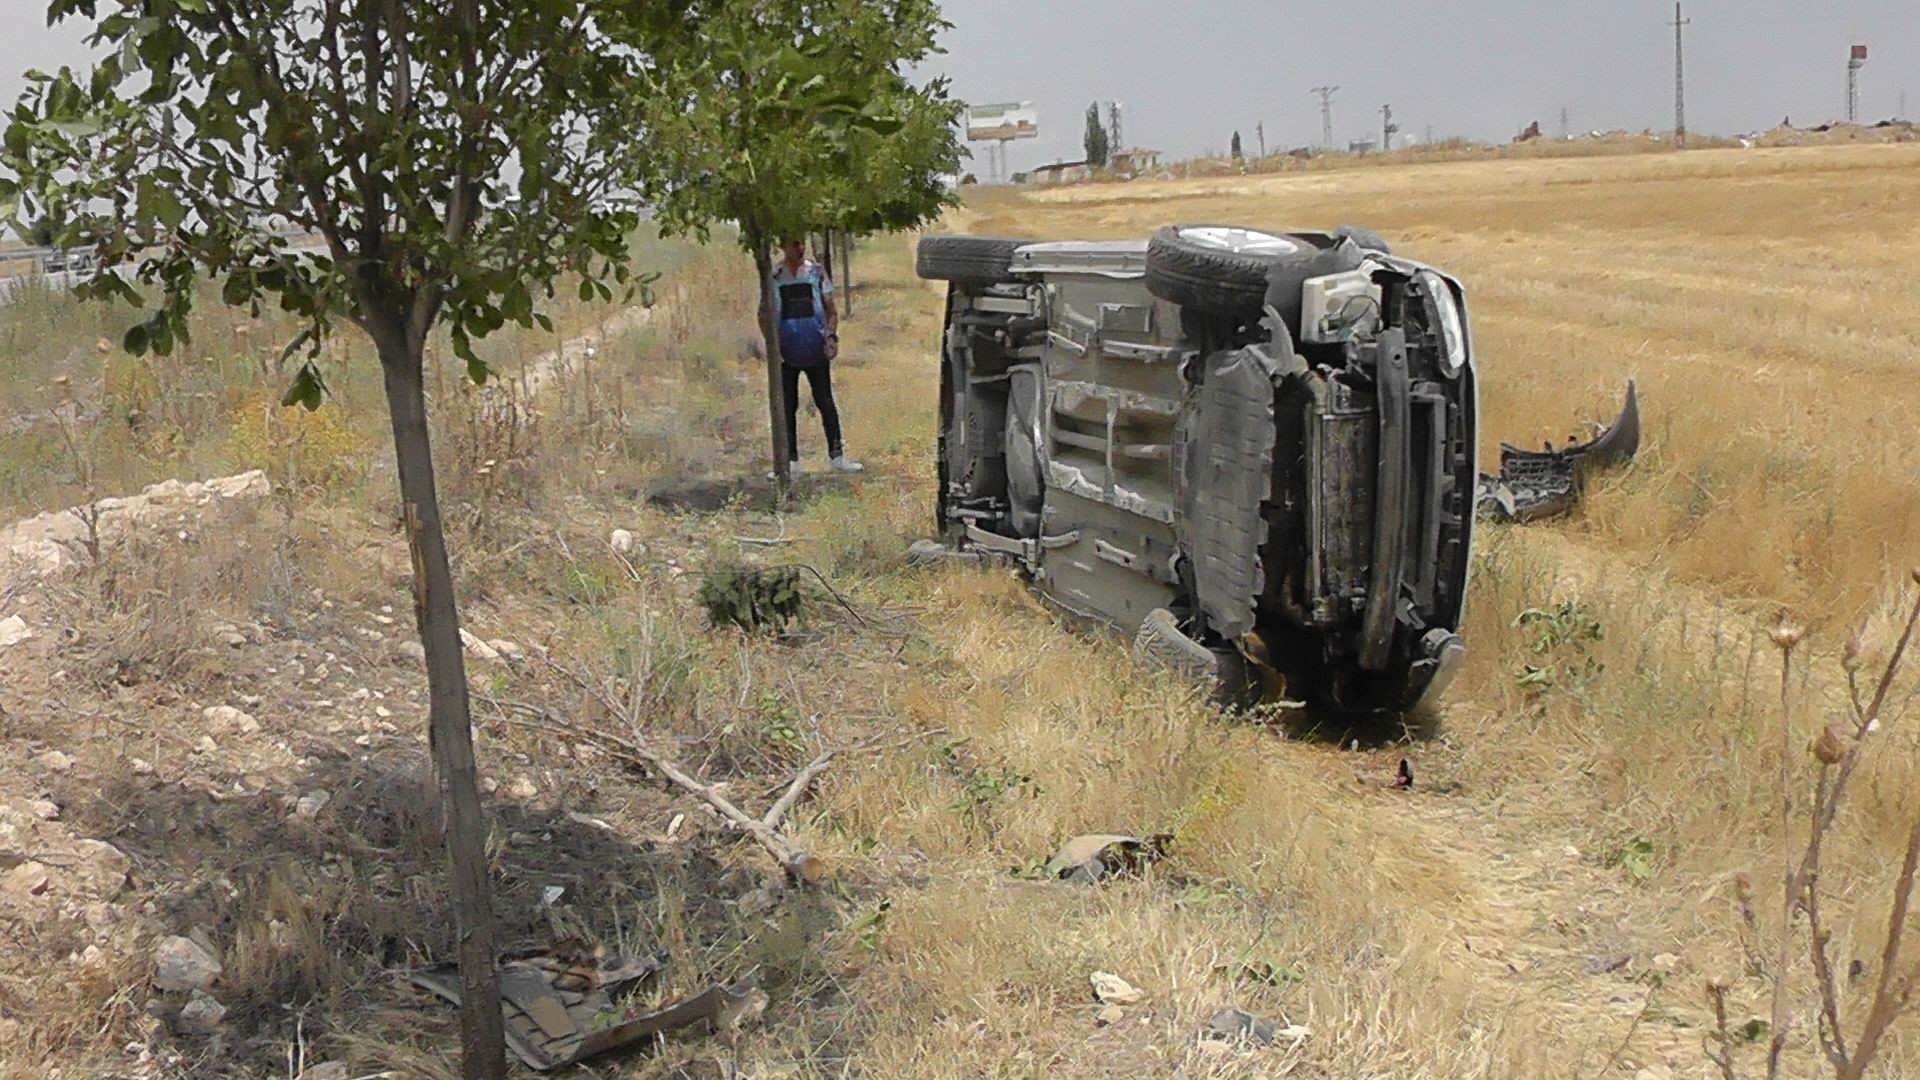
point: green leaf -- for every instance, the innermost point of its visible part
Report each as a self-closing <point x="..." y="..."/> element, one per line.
<point x="307" y="389"/>
<point x="478" y="371"/>
<point x="136" y="339"/>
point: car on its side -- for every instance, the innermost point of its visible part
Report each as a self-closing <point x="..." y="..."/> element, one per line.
<point x="1252" y="449"/>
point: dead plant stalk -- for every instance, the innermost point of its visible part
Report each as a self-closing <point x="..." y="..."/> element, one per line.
<point x="1838" y="750"/>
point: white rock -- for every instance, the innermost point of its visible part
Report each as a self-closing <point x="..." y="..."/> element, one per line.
<point x="621" y="541"/>
<point x="141" y="767"/>
<point x="1665" y="962"/>
<point x="1111" y="989"/>
<point x="206" y="745"/>
<point x="411" y="650"/>
<point x="310" y="805"/>
<point x="55" y="761"/>
<point x="227" y="716"/>
<point x="181" y="964"/>
<point x="522" y="788"/>
<point x="476" y="648"/>
<point x="202" y="1015"/>
<point x="506" y="649"/>
<point x="13" y="631"/>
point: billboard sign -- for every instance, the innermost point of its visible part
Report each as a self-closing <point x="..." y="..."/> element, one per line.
<point x="1859" y="54"/>
<point x="1017" y="120"/>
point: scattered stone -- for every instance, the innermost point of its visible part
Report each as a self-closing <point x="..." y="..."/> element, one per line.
<point x="55" y="761"/>
<point x="181" y="963"/>
<point x="203" y="1014"/>
<point x="476" y="648"/>
<point x="411" y="651"/>
<point x="506" y="650"/>
<point x="141" y="767"/>
<point x="13" y="631"/>
<point x="1608" y="963"/>
<point x="621" y="541"/>
<point x="43" y="809"/>
<point x="310" y="805"/>
<point x="1109" y="1016"/>
<point x="589" y="820"/>
<point x="1238" y="1024"/>
<point x="1665" y="962"/>
<point x="227" y="716"/>
<point x="326" y="1070"/>
<point x="206" y="745"/>
<point x="522" y="788"/>
<point x="1111" y="989"/>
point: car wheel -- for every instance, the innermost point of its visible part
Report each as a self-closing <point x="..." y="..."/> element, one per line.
<point x="1231" y="271"/>
<point x="968" y="260"/>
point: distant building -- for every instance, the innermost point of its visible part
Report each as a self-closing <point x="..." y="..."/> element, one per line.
<point x="1362" y="146"/>
<point x="1060" y="172"/>
<point x="1134" y="161"/>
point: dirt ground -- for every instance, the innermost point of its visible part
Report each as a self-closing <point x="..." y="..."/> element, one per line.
<point x="216" y="731"/>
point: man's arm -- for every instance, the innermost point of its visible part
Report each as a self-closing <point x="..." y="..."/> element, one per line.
<point x="833" y="313"/>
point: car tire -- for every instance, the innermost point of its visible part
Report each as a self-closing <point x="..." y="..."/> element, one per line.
<point x="967" y="260"/>
<point x="1230" y="271"/>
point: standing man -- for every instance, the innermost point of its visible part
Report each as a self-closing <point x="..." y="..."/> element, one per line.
<point x="809" y="340"/>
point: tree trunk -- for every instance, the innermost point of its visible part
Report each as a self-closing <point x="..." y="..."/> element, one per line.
<point x="450" y="732"/>
<point x="776" y="393"/>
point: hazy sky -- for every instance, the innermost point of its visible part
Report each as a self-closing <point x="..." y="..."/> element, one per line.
<point x="1190" y="73"/>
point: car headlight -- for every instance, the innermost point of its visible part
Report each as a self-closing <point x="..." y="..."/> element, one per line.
<point x="1446" y="315"/>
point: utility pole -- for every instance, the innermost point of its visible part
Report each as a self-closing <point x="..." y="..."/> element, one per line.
<point x="1260" y="128"/>
<point x="1563" y="124"/>
<point x="1326" y="113"/>
<point x="1679" y="77"/>
<point x="1113" y="126"/>
<point x="1387" y="128"/>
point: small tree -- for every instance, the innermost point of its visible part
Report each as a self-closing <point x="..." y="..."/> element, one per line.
<point x="1235" y="148"/>
<point x="785" y="116"/>
<point x="1099" y="150"/>
<point x="397" y="133"/>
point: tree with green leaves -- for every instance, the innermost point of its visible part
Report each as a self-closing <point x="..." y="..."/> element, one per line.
<point x="455" y="160"/>
<point x="1096" y="141"/>
<point x="1235" y="150"/>
<point x="786" y="117"/>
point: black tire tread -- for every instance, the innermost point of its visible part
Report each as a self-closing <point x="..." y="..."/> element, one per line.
<point x="972" y="260"/>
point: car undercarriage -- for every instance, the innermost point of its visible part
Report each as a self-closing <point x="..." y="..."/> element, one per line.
<point x="1253" y="450"/>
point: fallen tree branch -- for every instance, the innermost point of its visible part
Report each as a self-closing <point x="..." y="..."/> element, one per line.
<point x="814" y="768"/>
<point x="800" y="866"/>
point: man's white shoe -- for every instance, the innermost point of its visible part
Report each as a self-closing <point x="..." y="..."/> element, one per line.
<point x="793" y="469"/>
<point x="845" y="464"/>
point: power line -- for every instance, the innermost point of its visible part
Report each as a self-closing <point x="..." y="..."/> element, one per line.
<point x="1326" y="113"/>
<point x="1679" y="25"/>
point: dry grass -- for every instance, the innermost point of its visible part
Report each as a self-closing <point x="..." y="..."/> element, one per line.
<point x="1548" y="900"/>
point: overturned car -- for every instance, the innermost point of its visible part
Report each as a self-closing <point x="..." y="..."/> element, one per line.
<point x="1254" y="450"/>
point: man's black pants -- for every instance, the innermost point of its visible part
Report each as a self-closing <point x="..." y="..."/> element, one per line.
<point x="820" y="377"/>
